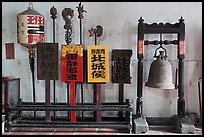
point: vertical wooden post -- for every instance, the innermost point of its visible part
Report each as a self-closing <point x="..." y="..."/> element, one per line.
<point x="181" y="56"/>
<point x="73" y="100"/>
<point x="121" y="98"/>
<point x="98" y="101"/>
<point x="140" y="52"/>
<point x="47" y="99"/>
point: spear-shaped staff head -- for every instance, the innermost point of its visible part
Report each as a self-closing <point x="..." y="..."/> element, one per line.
<point x="81" y="10"/>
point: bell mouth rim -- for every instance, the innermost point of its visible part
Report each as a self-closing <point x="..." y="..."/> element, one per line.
<point x="160" y="86"/>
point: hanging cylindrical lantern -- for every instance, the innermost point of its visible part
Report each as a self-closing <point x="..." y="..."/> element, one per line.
<point x="30" y="27"/>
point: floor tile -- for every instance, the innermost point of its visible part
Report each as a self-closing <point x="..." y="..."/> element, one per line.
<point x="44" y="129"/>
<point x="87" y="129"/>
<point x="17" y="133"/>
<point x="41" y="133"/>
<point x="106" y="130"/>
<point x="63" y="133"/>
<point x="84" y="133"/>
<point x="106" y="133"/>
<point x="20" y="129"/>
<point x="65" y="129"/>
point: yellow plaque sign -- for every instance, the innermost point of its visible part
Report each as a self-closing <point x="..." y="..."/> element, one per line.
<point x="98" y="63"/>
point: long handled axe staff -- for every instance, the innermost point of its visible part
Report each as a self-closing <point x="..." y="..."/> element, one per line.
<point x="97" y="32"/>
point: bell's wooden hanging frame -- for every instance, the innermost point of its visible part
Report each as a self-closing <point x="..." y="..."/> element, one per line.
<point x="177" y="28"/>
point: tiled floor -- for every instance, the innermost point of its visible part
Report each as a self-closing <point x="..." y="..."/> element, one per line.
<point x="88" y="131"/>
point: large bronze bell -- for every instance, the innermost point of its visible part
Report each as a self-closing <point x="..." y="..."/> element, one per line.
<point x="160" y="75"/>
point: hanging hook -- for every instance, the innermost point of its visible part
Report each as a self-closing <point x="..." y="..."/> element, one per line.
<point x="30" y="5"/>
<point x="161" y="43"/>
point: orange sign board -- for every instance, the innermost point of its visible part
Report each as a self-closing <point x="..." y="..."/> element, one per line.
<point x="98" y="63"/>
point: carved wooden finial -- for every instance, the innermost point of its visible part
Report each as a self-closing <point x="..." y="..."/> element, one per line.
<point x="181" y="20"/>
<point x="140" y="20"/>
<point x="53" y="12"/>
<point x="67" y="15"/>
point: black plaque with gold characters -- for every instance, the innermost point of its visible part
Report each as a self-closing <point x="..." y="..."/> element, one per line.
<point x="47" y="61"/>
<point x="121" y="66"/>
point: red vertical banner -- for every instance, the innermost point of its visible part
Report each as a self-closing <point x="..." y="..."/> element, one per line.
<point x="72" y="63"/>
<point x="72" y="70"/>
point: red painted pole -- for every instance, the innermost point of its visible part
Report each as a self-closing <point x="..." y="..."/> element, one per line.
<point x="73" y="100"/>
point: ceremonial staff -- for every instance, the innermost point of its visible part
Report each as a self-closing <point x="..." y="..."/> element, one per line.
<point x="97" y="32"/>
<point x="80" y="16"/>
<point x="53" y="12"/>
<point x="67" y="15"/>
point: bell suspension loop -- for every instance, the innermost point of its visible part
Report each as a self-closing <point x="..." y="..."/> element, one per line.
<point x="160" y="47"/>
